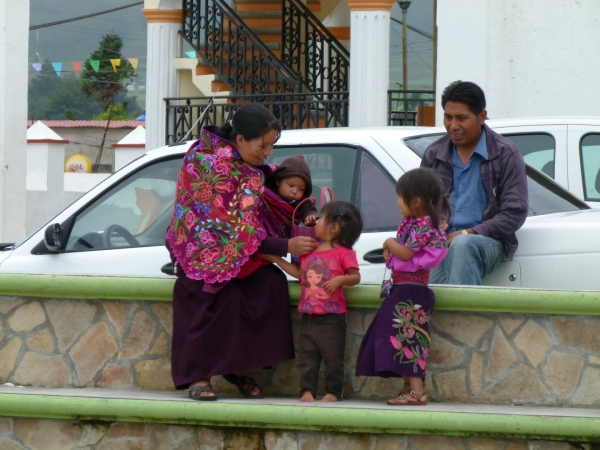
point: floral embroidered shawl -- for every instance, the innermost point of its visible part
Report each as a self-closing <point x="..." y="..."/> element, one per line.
<point x="216" y="222"/>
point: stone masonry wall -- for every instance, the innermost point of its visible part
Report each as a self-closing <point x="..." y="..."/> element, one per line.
<point x="28" y="434"/>
<point x="475" y="358"/>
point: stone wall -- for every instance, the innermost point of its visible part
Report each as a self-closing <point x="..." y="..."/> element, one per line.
<point x="530" y="359"/>
<point x="32" y="434"/>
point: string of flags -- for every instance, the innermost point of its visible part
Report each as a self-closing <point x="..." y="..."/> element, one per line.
<point x="95" y="63"/>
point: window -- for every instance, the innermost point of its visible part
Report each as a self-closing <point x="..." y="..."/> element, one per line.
<point x="376" y="197"/>
<point x="590" y="166"/>
<point x="135" y="212"/>
<point x="537" y="150"/>
<point x="547" y="197"/>
<point x="330" y="166"/>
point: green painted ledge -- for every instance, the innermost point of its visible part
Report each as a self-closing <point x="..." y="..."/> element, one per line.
<point x="268" y="416"/>
<point x="475" y="299"/>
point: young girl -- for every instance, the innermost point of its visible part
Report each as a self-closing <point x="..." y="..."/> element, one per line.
<point x="322" y="275"/>
<point x="397" y="341"/>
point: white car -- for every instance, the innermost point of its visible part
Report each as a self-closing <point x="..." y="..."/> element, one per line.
<point x="118" y="228"/>
<point x="566" y="149"/>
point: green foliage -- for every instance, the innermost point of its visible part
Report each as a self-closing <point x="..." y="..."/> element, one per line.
<point x="68" y="102"/>
<point x="118" y="113"/>
<point x="107" y="83"/>
<point x="41" y="87"/>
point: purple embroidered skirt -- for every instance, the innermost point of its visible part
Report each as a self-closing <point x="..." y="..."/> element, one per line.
<point x="245" y="326"/>
<point x="397" y="341"/>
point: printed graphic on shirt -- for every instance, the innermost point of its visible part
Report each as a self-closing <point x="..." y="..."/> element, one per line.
<point x="316" y="269"/>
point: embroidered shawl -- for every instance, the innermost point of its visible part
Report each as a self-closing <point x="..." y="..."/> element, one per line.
<point x="216" y="222"/>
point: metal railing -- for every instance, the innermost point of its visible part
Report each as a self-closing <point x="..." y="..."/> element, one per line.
<point x="294" y="111"/>
<point x="233" y="51"/>
<point x="310" y="49"/>
<point x="403" y="106"/>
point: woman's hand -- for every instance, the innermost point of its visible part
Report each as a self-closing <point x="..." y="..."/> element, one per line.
<point x="301" y="245"/>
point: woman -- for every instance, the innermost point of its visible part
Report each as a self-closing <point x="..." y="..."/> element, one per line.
<point x="231" y="310"/>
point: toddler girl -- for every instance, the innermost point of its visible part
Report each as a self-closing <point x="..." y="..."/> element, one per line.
<point x="322" y="274"/>
<point x="397" y="341"/>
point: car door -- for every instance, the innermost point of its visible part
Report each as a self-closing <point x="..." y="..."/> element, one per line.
<point x="120" y="232"/>
<point x="357" y="175"/>
<point x="584" y="163"/>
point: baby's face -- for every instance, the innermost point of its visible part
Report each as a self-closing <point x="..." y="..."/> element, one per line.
<point x="292" y="188"/>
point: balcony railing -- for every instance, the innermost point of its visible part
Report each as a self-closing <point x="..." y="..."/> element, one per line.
<point x="294" y="111"/>
<point x="408" y="108"/>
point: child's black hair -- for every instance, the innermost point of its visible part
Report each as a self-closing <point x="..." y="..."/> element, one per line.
<point x="426" y="184"/>
<point x="348" y="217"/>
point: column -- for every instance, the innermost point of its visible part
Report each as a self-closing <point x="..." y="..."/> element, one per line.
<point x="164" y="45"/>
<point x="14" y="38"/>
<point x="369" y="61"/>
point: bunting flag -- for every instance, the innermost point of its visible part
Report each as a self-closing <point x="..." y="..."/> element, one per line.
<point x="133" y="62"/>
<point x="37" y="66"/>
<point x="115" y="63"/>
<point x="191" y="54"/>
<point x="57" y="67"/>
<point x="95" y="63"/>
<point x="76" y="67"/>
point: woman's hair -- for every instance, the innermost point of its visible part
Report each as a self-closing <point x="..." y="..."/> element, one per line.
<point x="251" y="121"/>
<point x="465" y="92"/>
<point x="319" y="267"/>
<point x="427" y="185"/>
<point x="348" y="217"/>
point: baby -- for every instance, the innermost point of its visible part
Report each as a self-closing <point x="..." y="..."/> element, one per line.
<point x="291" y="181"/>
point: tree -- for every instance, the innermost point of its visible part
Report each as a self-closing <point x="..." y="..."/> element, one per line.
<point x="41" y="87"/>
<point x="69" y="102"/>
<point x="105" y="83"/>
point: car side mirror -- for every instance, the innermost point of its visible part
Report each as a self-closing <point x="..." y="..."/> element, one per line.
<point x="52" y="238"/>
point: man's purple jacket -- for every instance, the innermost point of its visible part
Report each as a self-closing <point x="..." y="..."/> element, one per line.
<point x="504" y="182"/>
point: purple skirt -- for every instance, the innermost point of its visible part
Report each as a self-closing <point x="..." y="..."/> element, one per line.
<point x="245" y="326"/>
<point x="397" y="341"/>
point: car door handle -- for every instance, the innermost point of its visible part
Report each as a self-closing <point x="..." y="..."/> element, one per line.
<point x="374" y="256"/>
<point x="167" y="269"/>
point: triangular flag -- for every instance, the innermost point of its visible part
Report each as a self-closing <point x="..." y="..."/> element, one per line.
<point x="76" y="67"/>
<point x="191" y="54"/>
<point x="95" y="63"/>
<point x="57" y="66"/>
<point x="134" y="63"/>
<point x="37" y="66"/>
<point x="115" y="63"/>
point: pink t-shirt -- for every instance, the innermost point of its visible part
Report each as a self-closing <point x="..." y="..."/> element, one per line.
<point x="317" y="268"/>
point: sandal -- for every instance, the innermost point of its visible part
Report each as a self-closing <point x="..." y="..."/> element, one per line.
<point x="245" y="384"/>
<point x="196" y="393"/>
<point x="401" y="400"/>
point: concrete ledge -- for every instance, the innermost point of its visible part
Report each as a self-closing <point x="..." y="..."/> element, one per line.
<point x="480" y="299"/>
<point x="546" y="423"/>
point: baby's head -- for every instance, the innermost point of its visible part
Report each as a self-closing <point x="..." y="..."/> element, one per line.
<point x="292" y="179"/>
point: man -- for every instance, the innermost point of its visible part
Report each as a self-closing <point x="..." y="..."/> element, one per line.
<point x="484" y="179"/>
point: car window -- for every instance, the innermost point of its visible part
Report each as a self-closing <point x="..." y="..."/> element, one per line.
<point x="330" y="166"/>
<point x="136" y="211"/>
<point x="548" y="197"/>
<point x="538" y="150"/>
<point x="590" y="166"/>
<point x="419" y="144"/>
<point x="376" y="197"/>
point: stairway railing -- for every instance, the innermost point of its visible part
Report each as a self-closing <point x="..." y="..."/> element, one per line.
<point x="233" y="51"/>
<point x="310" y="49"/>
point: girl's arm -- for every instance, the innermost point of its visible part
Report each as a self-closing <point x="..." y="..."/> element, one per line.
<point x="351" y="278"/>
<point x="289" y="268"/>
<point x="391" y="245"/>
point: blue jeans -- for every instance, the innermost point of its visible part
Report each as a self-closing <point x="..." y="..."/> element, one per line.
<point x="469" y="259"/>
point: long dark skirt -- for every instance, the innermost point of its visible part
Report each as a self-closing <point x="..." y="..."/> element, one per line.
<point x="397" y="341"/>
<point x="245" y="326"/>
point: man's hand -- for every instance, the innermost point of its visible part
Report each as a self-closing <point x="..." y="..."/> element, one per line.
<point x="310" y="220"/>
<point x="301" y="245"/>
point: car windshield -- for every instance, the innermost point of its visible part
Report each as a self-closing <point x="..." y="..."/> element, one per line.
<point x="545" y="195"/>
